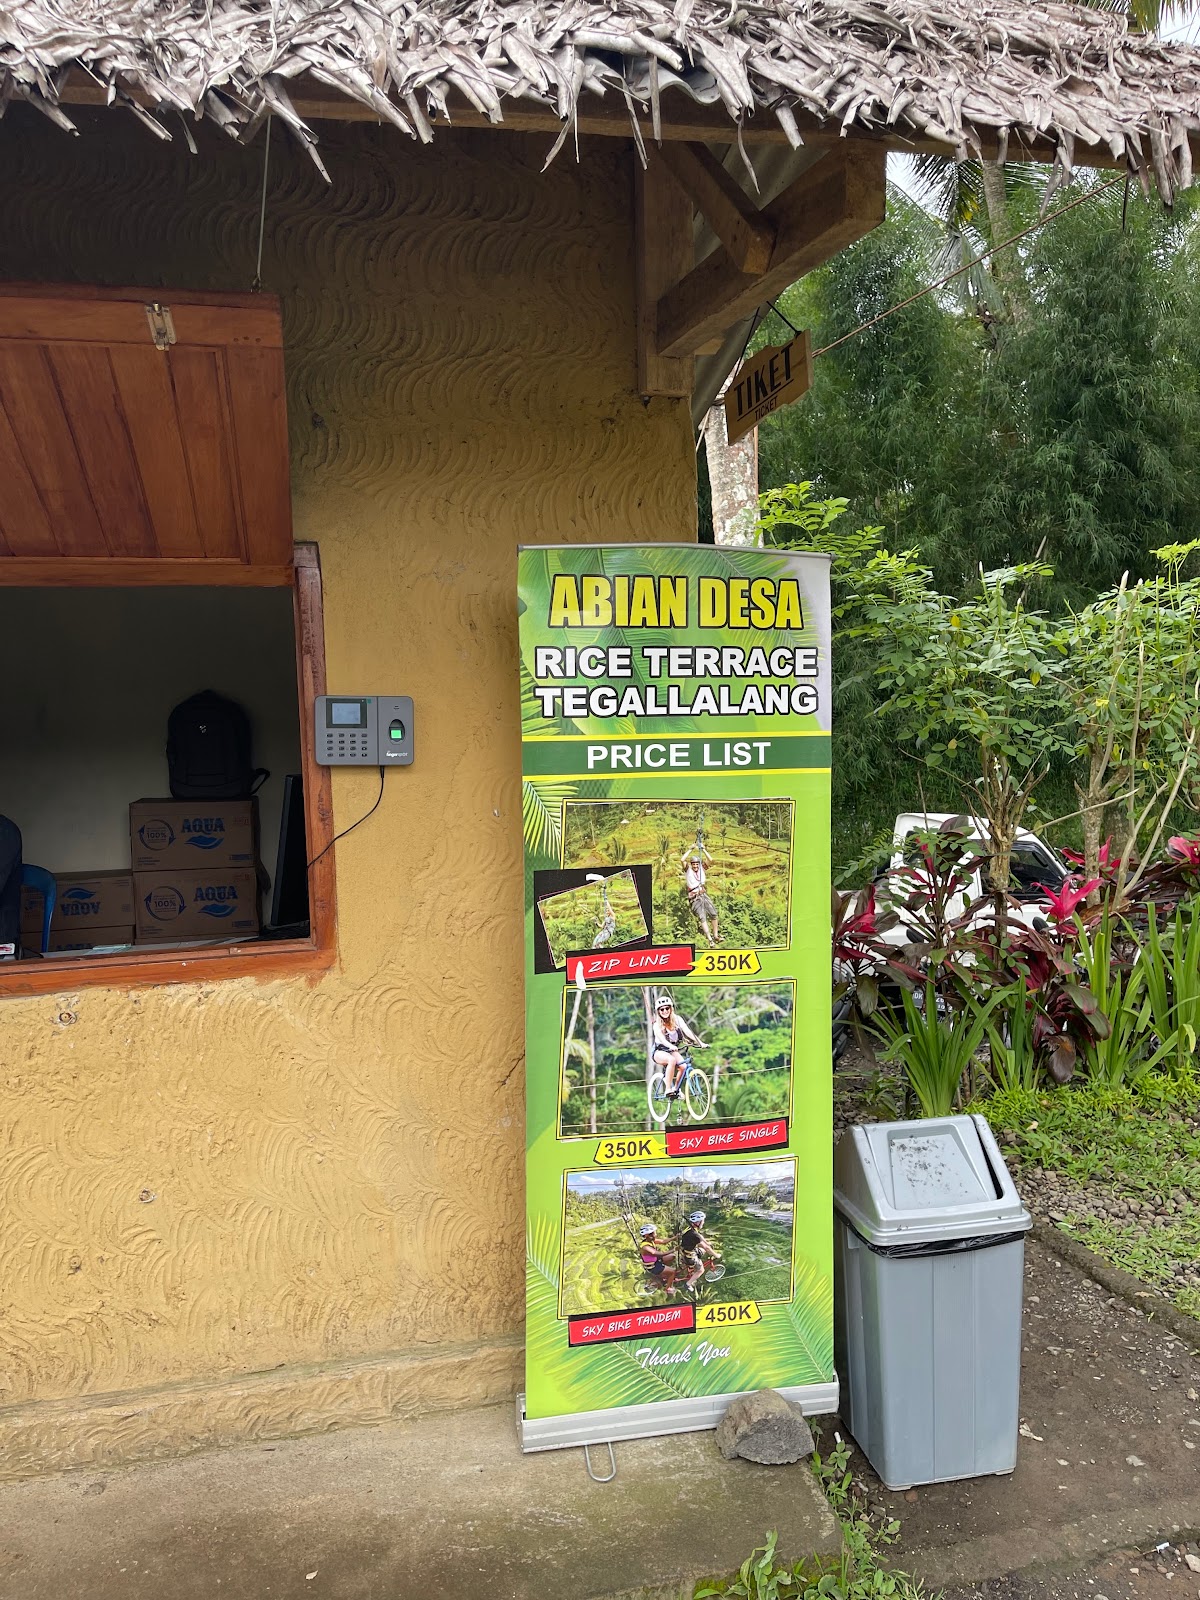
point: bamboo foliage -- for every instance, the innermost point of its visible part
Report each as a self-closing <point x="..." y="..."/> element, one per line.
<point x="959" y="74"/>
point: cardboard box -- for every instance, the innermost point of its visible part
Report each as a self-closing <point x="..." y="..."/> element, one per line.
<point x="91" y="899"/>
<point x="165" y="835"/>
<point x="88" y="938"/>
<point x="220" y="902"/>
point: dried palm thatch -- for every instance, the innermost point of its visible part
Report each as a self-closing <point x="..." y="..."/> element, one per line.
<point x="958" y="72"/>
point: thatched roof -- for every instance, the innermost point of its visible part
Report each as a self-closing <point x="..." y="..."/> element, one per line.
<point x="963" y="73"/>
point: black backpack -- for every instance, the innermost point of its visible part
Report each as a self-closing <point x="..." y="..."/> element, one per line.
<point x="208" y="750"/>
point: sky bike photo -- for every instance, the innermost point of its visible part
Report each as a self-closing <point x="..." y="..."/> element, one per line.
<point x="630" y="1238"/>
<point x="604" y="910"/>
<point x="722" y="870"/>
<point x="615" y="1037"/>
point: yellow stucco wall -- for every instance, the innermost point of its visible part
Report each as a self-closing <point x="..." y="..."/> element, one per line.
<point x="323" y="1181"/>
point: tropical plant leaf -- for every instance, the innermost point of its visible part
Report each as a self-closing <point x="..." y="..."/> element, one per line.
<point x="591" y="1380"/>
<point x="541" y="814"/>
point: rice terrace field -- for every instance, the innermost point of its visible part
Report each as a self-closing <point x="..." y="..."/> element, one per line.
<point x="750" y="1225"/>
<point x="749" y="875"/>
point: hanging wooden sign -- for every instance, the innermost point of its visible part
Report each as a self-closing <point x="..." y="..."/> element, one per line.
<point x="775" y="377"/>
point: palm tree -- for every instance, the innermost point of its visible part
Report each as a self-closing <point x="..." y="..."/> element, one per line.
<point x="970" y="200"/>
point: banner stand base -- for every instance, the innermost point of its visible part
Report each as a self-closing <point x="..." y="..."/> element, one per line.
<point x="648" y="1421"/>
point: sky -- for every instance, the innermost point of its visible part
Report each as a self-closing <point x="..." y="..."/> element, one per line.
<point x="766" y="1171"/>
<point x="1184" y="26"/>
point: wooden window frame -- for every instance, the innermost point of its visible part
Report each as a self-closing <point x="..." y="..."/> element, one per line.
<point x="268" y="958"/>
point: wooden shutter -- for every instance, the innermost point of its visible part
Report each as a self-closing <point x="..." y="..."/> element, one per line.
<point x="143" y="438"/>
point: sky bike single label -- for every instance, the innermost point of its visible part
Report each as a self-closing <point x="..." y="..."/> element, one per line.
<point x="675" y="801"/>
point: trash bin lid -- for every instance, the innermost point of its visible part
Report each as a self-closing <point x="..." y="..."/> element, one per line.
<point x="940" y="1179"/>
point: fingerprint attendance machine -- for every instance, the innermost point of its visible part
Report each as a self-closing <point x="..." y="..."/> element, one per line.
<point x="364" y="730"/>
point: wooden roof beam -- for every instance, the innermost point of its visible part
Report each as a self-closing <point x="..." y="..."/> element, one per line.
<point x="830" y="206"/>
<point x="663" y="252"/>
<point x="682" y="120"/>
<point x="729" y="211"/>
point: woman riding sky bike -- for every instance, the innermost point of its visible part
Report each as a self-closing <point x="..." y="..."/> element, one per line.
<point x="670" y="1033"/>
<point x="658" y="1261"/>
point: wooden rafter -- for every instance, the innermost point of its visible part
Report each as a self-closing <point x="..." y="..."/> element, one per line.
<point x="828" y="207"/>
<point x="729" y="211"/>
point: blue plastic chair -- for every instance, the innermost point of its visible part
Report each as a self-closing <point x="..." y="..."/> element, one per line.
<point x="47" y="886"/>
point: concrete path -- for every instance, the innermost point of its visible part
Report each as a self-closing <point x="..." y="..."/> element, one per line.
<point x="444" y="1508"/>
<point x="1110" y="1453"/>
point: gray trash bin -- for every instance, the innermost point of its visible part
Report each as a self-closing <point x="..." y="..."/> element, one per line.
<point x="929" y="1254"/>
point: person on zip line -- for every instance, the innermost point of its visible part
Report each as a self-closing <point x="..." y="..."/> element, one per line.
<point x="696" y="880"/>
<point x="695" y="1251"/>
<point x="670" y="1033"/>
<point x="657" y="1261"/>
<point x="607" y="925"/>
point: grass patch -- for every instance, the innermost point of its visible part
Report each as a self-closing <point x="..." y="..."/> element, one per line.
<point x="1152" y="1255"/>
<point x="1140" y="1144"/>
<point x="1142" y="1140"/>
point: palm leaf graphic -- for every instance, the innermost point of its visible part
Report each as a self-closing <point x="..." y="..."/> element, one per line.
<point x="541" y="814"/>
<point x="791" y="1346"/>
<point x="595" y="1379"/>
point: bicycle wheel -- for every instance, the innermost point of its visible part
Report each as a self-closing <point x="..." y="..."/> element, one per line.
<point x="697" y="1094"/>
<point x="656" y="1097"/>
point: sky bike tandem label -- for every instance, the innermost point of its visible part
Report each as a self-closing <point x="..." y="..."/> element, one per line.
<point x="675" y="799"/>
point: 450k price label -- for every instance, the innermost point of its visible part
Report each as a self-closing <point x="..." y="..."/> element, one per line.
<point x="731" y="1314"/>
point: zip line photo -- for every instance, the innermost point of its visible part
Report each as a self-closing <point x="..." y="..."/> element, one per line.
<point x="722" y="870"/>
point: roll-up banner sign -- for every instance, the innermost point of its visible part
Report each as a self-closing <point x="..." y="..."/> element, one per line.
<point x="675" y="777"/>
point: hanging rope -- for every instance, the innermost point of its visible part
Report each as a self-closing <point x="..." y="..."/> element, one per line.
<point x="256" y="285"/>
<point x="774" y="305"/>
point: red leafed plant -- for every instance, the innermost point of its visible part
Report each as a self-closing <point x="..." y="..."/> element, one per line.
<point x="1185" y="850"/>
<point x="1063" y="1014"/>
<point x="860" y="952"/>
<point x="1108" y="860"/>
<point x="1063" y="904"/>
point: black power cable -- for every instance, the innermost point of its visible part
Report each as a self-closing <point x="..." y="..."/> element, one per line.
<point x="352" y="826"/>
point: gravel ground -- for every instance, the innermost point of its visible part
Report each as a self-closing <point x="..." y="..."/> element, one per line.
<point x="1152" y="1234"/>
<point x="1170" y="1571"/>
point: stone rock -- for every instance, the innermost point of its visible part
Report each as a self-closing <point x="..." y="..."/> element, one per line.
<point x="766" y="1428"/>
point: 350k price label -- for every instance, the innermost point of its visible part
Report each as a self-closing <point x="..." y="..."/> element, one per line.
<point x="730" y="963"/>
<point x="637" y="1147"/>
<point x="730" y="1315"/>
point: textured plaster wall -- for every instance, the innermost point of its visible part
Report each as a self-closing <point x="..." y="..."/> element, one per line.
<point x="201" y="1182"/>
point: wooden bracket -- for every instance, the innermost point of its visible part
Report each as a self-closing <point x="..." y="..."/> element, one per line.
<point x="748" y="237"/>
<point x="664" y="254"/>
<point x="831" y="205"/>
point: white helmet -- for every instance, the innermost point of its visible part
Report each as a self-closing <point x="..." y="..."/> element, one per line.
<point x="647" y="1229"/>
<point x="696" y="1217"/>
